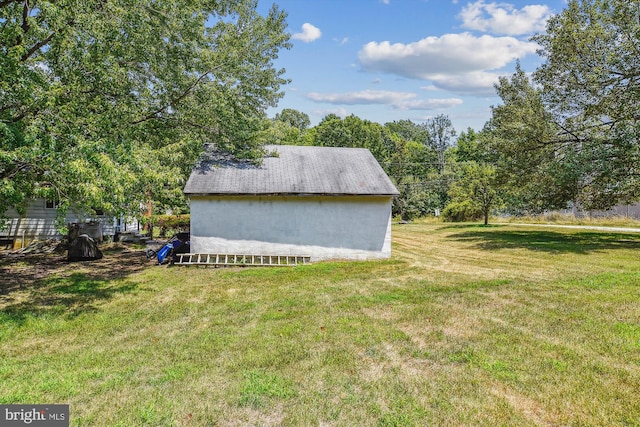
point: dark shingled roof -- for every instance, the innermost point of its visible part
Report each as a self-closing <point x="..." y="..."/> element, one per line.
<point x="293" y="170"/>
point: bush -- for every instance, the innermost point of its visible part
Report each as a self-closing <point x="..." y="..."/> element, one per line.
<point x="172" y="224"/>
<point x="465" y="210"/>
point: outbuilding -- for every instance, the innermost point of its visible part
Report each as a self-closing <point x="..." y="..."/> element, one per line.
<point x="319" y="202"/>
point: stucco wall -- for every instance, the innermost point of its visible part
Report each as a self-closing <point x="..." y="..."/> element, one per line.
<point x="316" y="226"/>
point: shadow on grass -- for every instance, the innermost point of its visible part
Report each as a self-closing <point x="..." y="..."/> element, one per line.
<point x="583" y="242"/>
<point x="48" y="286"/>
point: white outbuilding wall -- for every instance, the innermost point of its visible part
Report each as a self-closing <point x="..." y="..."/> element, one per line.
<point x="39" y="222"/>
<point x="322" y="227"/>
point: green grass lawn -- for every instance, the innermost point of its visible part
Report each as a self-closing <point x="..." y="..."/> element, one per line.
<point x="464" y="325"/>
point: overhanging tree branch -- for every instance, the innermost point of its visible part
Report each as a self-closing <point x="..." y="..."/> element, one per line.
<point x="18" y="166"/>
<point x="78" y="88"/>
<point x="173" y="101"/>
<point x="36" y="47"/>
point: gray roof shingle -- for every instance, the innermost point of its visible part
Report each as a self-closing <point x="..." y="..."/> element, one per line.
<point x="294" y="170"/>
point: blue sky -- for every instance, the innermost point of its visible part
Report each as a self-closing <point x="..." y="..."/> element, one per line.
<point x="386" y="60"/>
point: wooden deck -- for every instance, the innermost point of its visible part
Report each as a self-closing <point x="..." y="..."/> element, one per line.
<point x="224" y="260"/>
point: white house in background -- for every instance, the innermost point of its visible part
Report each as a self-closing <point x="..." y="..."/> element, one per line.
<point x="321" y="202"/>
<point x="39" y="223"/>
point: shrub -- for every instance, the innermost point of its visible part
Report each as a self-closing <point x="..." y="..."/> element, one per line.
<point x="464" y="210"/>
<point x="172" y="224"/>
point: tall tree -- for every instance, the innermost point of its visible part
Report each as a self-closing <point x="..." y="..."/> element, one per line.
<point x="441" y="134"/>
<point x="332" y="131"/>
<point x="521" y="137"/>
<point x="410" y="131"/>
<point x="469" y="147"/>
<point x="104" y="103"/>
<point x="591" y="84"/>
<point x="474" y="193"/>
<point x="289" y="127"/>
<point x="294" y="118"/>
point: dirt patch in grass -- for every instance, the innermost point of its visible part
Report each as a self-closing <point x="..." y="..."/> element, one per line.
<point x="21" y="271"/>
<point x="25" y="270"/>
<point x="38" y="283"/>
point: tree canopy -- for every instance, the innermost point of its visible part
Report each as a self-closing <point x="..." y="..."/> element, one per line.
<point x="441" y="134"/>
<point x="591" y="84"/>
<point x="353" y="131"/>
<point x="294" y="118"/>
<point x="573" y="132"/>
<point x="520" y="138"/>
<point x="474" y="194"/>
<point x="104" y="103"/>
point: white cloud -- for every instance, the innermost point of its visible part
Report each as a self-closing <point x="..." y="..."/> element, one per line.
<point x="504" y="18"/>
<point x="457" y="62"/>
<point x="340" y="112"/>
<point x="309" y="33"/>
<point x="478" y="83"/>
<point x="430" y="104"/>
<point x="397" y="100"/>
<point x="362" y="97"/>
<point x="451" y="53"/>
